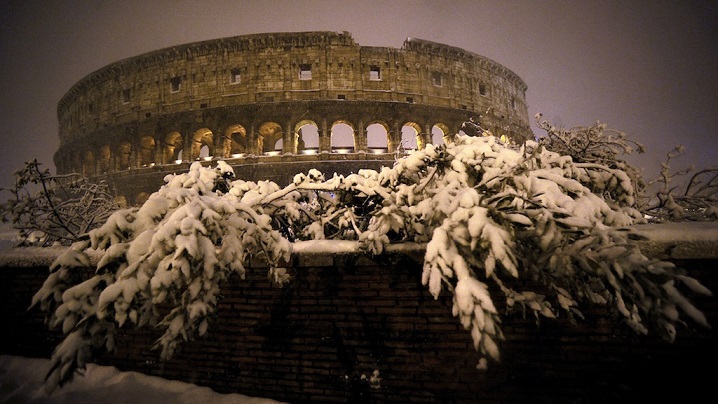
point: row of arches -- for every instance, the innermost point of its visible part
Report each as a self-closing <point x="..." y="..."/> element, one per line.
<point x="270" y="138"/>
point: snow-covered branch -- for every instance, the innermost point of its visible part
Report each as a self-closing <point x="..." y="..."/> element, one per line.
<point x="48" y="209"/>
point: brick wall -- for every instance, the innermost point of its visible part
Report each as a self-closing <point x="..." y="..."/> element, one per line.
<point x="344" y="316"/>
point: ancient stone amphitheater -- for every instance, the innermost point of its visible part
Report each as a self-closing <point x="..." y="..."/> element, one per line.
<point x="276" y="104"/>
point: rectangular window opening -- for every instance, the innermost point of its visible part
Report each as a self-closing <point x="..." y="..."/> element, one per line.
<point x="235" y="77"/>
<point x="482" y="89"/>
<point x="176" y="83"/>
<point x="305" y="72"/>
<point x="126" y="96"/>
<point x="374" y="73"/>
<point x="342" y="97"/>
<point x="436" y="79"/>
<point x="410" y="100"/>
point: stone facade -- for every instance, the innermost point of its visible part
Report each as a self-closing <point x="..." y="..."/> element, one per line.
<point x="280" y="94"/>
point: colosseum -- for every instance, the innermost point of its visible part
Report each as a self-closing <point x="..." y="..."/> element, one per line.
<point x="273" y="105"/>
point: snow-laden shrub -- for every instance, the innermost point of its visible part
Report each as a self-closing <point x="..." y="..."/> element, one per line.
<point x="599" y="149"/>
<point x="515" y="229"/>
<point x="172" y="252"/>
<point x="596" y="149"/>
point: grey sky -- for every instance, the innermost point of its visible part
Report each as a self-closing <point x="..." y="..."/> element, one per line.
<point x="648" y="68"/>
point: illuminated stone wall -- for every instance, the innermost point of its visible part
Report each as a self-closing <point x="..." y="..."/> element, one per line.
<point x="280" y="94"/>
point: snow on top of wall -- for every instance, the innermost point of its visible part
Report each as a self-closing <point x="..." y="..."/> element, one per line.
<point x="26" y="257"/>
<point x="347" y="247"/>
<point x="678" y="240"/>
<point x="671" y="240"/>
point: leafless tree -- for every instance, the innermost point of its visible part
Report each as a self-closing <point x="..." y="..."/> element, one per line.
<point x="48" y="209"/>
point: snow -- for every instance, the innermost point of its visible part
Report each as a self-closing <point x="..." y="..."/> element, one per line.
<point x="26" y="257"/>
<point x="349" y="247"/>
<point x="21" y="381"/>
<point x="678" y="240"/>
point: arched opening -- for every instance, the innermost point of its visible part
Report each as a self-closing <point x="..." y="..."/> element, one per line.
<point x="235" y="141"/>
<point x="147" y="151"/>
<point x="269" y="134"/>
<point x="141" y="198"/>
<point x="120" y="201"/>
<point x="88" y="164"/>
<point x="173" y="148"/>
<point x="307" y="137"/>
<point x="439" y="133"/>
<point x="278" y="147"/>
<point x="202" y="144"/>
<point x="342" y="138"/>
<point x="410" y="137"/>
<point x="437" y="136"/>
<point x="124" y="155"/>
<point x="377" y="138"/>
<point x="204" y="152"/>
<point x="104" y="155"/>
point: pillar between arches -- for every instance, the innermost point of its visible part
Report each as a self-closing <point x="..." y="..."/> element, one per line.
<point x="217" y="143"/>
<point x="289" y="141"/>
<point x="158" y="153"/>
<point x="424" y="137"/>
<point x="393" y="138"/>
<point x="256" y="143"/>
<point x="391" y="142"/>
<point x="360" y="140"/>
<point x="187" y="145"/>
<point x="135" y="152"/>
<point x="325" y="139"/>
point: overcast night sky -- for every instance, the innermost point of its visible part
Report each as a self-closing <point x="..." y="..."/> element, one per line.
<point x="648" y="68"/>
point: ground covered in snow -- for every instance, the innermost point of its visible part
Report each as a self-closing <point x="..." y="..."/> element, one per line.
<point x="21" y="381"/>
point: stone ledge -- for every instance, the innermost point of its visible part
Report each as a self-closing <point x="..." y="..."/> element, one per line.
<point x="666" y="241"/>
<point x="678" y="240"/>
